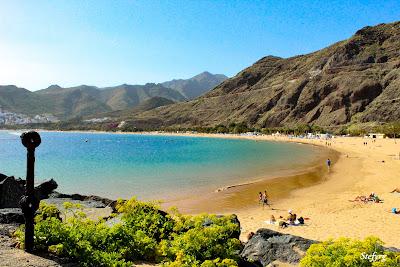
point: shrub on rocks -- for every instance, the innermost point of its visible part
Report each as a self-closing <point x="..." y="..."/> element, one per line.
<point x="143" y="233"/>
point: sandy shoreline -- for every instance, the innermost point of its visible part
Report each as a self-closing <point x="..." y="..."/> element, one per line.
<point x="359" y="170"/>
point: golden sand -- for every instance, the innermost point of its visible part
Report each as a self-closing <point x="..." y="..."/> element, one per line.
<point x="359" y="170"/>
<point x="323" y="197"/>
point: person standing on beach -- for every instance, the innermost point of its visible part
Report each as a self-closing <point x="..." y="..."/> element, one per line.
<point x="328" y="164"/>
<point x="265" y="198"/>
<point x="260" y="198"/>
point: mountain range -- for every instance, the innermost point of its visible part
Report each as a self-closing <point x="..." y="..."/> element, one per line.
<point x="84" y="100"/>
<point x="352" y="81"/>
<point x="356" y="80"/>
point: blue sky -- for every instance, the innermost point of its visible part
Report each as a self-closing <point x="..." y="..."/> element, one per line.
<point x="106" y="43"/>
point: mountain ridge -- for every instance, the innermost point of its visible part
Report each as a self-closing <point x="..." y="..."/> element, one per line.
<point x="193" y="87"/>
<point x="354" y="80"/>
<point x="85" y="100"/>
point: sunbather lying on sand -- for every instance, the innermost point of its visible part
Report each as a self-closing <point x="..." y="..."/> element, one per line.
<point x="360" y="199"/>
<point x="395" y="211"/>
<point x="396" y="190"/>
<point x="282" y="223"/>
<point x="372" y="197"/>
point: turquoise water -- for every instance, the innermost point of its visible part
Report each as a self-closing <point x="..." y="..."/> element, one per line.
<point x="149" y="166"/>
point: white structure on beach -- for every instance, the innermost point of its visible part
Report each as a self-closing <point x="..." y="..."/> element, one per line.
<point x="376" y="135"/>
<point x="324" y="136"/>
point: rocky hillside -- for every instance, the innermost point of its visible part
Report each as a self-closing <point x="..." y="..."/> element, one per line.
<point x="146" y="105"/>
<point x="197" y="85"/>
<point x="355" y="80"/>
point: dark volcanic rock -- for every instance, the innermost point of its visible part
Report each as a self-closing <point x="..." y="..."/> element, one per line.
<point x="208" y="222"/>
<point x="12" y="189"/>
<point x="10" y="192"/>
<point x="11" y="216"/>
<point x="267" y="246"/>
<point x="45" y="189"/>
<point x="2" y="177"/>
<point x="89" y="201"/>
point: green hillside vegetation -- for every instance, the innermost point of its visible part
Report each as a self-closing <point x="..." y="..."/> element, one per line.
<point x="20" y="100"/>
<point x="74" y="101"/>
<point x="80" y="101"/>
<point x="146" y="105"/>
<point x="84" y="100"/>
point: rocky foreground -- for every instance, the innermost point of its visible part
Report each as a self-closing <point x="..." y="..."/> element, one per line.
<point x="266" y="247"/>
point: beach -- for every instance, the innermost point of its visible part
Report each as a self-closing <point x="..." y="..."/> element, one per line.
<point x="314" y="193"/>
<point x="325" y="200"/>
<point x="359" y="170"/>
<point x="323" y="197"/>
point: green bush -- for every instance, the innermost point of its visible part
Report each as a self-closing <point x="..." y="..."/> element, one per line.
<point x="47" y="211"/>
<point x="348" y="252"/>
<point x="192" y="242"/>
<point x="143" y="233"/>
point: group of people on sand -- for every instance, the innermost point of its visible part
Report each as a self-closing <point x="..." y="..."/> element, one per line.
<point x="263" y="199"/>
<point x="375" y="199"/>
<point x="291" y="219"/>
<point x="372" y="141"/>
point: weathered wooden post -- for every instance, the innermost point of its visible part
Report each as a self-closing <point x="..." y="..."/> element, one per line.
<point x="29" y="202"/>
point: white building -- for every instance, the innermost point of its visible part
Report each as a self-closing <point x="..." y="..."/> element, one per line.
<point x="376" y="135"/>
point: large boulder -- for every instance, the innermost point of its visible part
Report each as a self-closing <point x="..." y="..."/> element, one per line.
<point x="45" y="189"/>
<point x="267" y="246"/>
<point x="2" y="177"/>
<point x="11" y="216"/>
<point x="89" y="201"/>
<point x="12" y="189"/>
<point x="11" y="192"/>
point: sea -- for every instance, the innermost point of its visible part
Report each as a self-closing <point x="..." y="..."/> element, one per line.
<point x="150" y="167"/>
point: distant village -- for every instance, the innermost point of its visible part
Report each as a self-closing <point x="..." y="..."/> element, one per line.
<point x="10" y="118"/>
